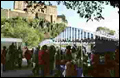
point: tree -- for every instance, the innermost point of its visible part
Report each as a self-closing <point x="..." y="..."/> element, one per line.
<point x="31" y="31"/>
<point x="63" y="18"/>
<point x="112" y="32"/>
<point x="91" y="10"/>
<point x="114" y="3"/>
<point x="106" y="30"/>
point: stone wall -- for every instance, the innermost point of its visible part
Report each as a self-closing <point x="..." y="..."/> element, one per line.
<point x="12" y="14"/>
<point x="4" y="13"/>
<point x="50" y="12"/>
<point x="19" y="5"/>
<point x="49" y="15"/>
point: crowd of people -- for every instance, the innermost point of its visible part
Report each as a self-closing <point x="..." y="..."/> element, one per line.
<point x="47" y="59"/>
<point x="44" y="58"/>
<point x="11" y="57"/>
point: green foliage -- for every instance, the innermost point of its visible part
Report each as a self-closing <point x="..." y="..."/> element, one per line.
<point x="3" y="21"/>
<point x="4" y="14"/>
<point x="100" y="28"/>
<point x="114" y="3"/>
<point x="63" y="18"/>
<point x="110" y="32"/>
<point x="2" y="36"/>
<point x="31" y="31"/>
<point x="91" y="10"/>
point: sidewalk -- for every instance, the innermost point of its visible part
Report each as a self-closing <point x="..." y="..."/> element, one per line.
<point x="17" y="73"/>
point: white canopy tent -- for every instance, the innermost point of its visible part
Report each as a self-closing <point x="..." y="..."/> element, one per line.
<point x="8" y="41"/>
<point x="47" y="42"/>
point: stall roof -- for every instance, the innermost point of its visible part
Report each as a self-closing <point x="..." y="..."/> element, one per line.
<point x="11" y="40"/>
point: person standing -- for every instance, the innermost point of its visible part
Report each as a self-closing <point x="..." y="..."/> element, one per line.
<point x="35" y="60"/>
<point x="47" y="63"/>
<point x="68" y="55"/>
<point x="92" y="54"/>
<point x="79" y="56"/>
<point x="58" y="63"/>
<point x="19" y="57"/>
<point x="52" y="59"/>
<point x="11" y="56"/>
<point x="3" y="57"/>
<point x="15" y="55"/>
<point x="28" y="57"/>
<point x="70" y="69"/>
<point x="41" y="60"/>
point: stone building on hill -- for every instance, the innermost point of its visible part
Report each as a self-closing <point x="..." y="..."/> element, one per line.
<point x="22" y="9"/>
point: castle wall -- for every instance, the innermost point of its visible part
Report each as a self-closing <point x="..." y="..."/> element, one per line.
<point x="12" y="14"/>
<point x="47" y="17"/>
<point x="19" y="5"/>
<point x="41" y="15"/>
<point x="50" y="12"/>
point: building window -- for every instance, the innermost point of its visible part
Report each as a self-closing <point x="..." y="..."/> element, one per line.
<point x="84" y="34"/>
<point x="51" y="18"/>
<point x="81" y="34"/>
<point x="92" y="36"/>
<point x="36" y="15"/>
<point x="88" y="35"/>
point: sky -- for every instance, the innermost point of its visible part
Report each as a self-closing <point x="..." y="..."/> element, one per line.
<point x="110" y="14"/>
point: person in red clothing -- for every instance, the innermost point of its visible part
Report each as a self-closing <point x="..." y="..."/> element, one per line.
<point x="28" y="56"/>
<point x="92" y="54"/>
<point x="3" y="57"/>
<point x="42" y="60"/>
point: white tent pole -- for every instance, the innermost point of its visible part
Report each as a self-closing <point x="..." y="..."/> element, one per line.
<point x="81" y="55"/>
